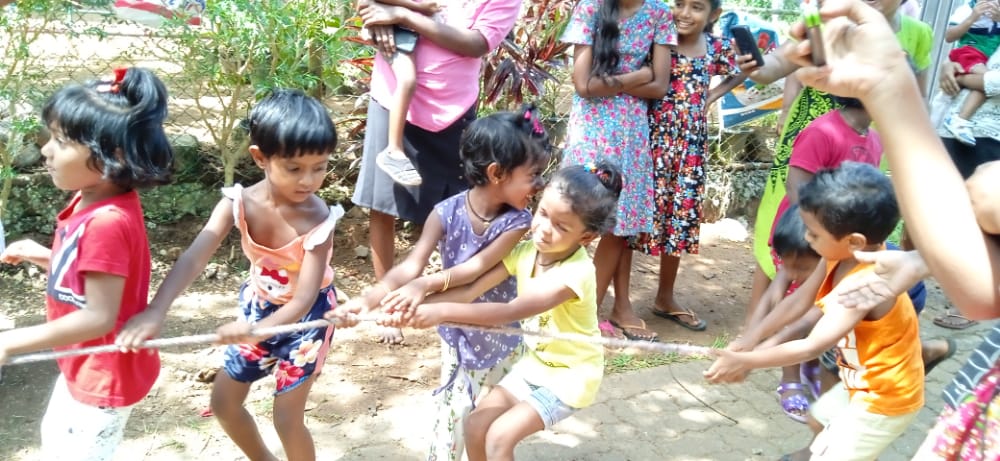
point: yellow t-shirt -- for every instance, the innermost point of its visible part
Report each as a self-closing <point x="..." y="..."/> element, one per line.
<point x="881" y="357"/>
<point x="571" y="370"/>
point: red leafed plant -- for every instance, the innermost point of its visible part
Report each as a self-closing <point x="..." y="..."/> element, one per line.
<point x="519" y="68"/>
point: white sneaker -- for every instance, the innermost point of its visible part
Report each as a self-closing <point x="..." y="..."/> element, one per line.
<point x="961" y="129"/>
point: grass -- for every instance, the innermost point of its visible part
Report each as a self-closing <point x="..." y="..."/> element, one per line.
<point x="624" y="362"/>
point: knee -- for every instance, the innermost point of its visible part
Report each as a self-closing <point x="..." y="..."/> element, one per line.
<point x="476" y="427"/>
<point x="500" y="444"/>
<point x="224" y="406"/>
<point x="286" y="419"/>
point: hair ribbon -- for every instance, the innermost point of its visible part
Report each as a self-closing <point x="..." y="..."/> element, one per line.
<point x="117" y="78"/>
<point x="536" y="126"/>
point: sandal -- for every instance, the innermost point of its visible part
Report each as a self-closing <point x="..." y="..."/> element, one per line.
<point x="401" y="170"/>
<point x="954" y="321"/>
<point x="700" y="325"/>
<point x="793" y="404"/>
<point x="637" y="332"/>
<point x="609" y="331"/>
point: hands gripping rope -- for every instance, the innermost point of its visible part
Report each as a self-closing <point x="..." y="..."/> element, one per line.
<point x="663" y="348"/>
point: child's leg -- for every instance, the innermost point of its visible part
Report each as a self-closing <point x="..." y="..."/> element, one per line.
<point x="510" y="429"/>
<point x="289" y="421"/>
<point x="405" y="71"/>
<point x="972" y="103"/>
<point x="228" y="396"/>
<point x="792" y="394"/>
<point x="477" y="425"/>
<point x="75" y="431"/>
<point x="853" y="433"/>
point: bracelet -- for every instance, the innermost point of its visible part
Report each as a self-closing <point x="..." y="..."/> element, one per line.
<point x="447" y="280"/>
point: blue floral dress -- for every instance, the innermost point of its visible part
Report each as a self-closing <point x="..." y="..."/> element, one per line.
<point x="615" y="128"/>
<point x="678" y="144"/>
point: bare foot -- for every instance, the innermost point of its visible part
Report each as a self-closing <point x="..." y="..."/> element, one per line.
<point x="936" y="351"/>
<point x="389" y="335"/>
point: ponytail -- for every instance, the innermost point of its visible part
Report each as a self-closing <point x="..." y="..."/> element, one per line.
<point x="592" y="191"/>
<point x="120" y="120"/>
<point x="606" y="57"/>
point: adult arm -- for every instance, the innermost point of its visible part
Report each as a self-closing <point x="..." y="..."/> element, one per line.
<point x="462" y="41"/>
<point x="588" y="86"/>
<point x="657" y="87"/>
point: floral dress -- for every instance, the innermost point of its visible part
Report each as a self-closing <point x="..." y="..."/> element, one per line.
<point x="679" y="142"/>
<point x="614" y="128"/>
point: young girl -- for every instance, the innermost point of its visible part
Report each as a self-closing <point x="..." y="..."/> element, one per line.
<point x="287" y="234"/>
<point x="679" y="143"/>
<point x="621" y="59"/>
<point x="107" y="141"/>
<point x="504" y="155"/>
<point x="556" y="292"/>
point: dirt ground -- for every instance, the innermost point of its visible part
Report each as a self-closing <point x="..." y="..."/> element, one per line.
<point x="361" y="376"/>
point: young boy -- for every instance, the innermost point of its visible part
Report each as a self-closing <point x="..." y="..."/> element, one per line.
<point x="975" y="26"/>
<point x="393" y="160"/>
<point x="845" y="209"/>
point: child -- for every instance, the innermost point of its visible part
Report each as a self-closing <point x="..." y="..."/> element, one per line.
<point x="556" y="287"/>
<point x="678" y="141"/>
<point x="847" y="209"/>
<point x="107" y="140"/>
<point x="504" y="155"/>
<point x="393" y="159"/>
<point x="287" y="234"/>
<point x="621" y="60"/>
<point x="975" y="26"/>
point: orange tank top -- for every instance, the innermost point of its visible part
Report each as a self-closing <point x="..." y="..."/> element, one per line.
<point x="274" y="272"/>
<point x="881" y="358"/>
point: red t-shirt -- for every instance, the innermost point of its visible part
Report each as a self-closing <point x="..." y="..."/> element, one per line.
<point x="826" y="143"/>
<point x="107" y="237"/>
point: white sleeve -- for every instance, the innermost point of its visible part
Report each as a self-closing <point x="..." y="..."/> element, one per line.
<point x="961" y="13"/>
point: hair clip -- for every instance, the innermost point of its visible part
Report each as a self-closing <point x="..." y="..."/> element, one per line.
<point x="536" y="126"/>
<point x="601" y="173"/>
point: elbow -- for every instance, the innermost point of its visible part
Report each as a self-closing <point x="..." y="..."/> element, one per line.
<point x="659" y="89"/>
<point x="581" y="88"/>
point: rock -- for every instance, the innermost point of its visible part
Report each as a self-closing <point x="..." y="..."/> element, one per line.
<point x="726" y="229"/>
<point x="216" y="270"/>
<point x="26" y="156"/>
<point x="356" y="212"/>
<point x="361" y="251"/>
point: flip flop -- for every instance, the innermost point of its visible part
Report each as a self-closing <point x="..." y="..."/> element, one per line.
<point x="954" y="322"/>
<point x="637" y="332"/>
<point x="401" y="170"/>
<point x="675" y="316"/>
<point x="952" y="348"/>
<point x="609" y="331"/>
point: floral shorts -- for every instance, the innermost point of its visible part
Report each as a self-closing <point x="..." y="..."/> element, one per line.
<point x="291" y="357"/>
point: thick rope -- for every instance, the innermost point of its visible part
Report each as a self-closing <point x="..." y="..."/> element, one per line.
<point x="647" y="346"/>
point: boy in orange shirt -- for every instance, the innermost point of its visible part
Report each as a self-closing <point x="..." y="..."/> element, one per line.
<point x="845" y="209"/>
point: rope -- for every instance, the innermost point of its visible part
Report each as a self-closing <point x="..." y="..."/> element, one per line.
<point x="647" y="346"/>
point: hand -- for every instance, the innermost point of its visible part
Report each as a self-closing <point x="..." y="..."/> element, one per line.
<point x="986" y="8"/>
<point x="405" y="298"/>
<point x="238" y="332"/>
<point x="741" y="344"/>
<point x="727" y="368"/>
<point x="142" y="326"/>
<point x="424" y="316"/>
<point x="383" y="38"/>
<point x="346" y="315"/>
<point x="4" y="353"/>
<point x="893" y="274"/>
<point x="863" y="57"/>
<point x="948" y="80"/>
<point x="379" y="14"/>
<point x="23" y="250"/>
<point x="747" y="64"/>
<point x="985" y="196"/>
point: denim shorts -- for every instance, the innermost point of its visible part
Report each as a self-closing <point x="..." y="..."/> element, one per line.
<point x="542" y="399"/>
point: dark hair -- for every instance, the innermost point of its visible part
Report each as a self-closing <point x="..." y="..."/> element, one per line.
<point x="714" y="6"/>
<point x="288" y="123"/>
<point x="592" y="191"/>
<point x="843" y="101"/>
<point x="509" y="139"/>
<point x="854" y="197"/>
<point x="121" y="122"/>
<point x="604" y="37"/>
<point x="790" y="235"/>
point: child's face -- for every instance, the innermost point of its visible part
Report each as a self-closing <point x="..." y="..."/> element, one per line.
<point x="68" y="162"/>
<point x="799" y="266"/>
<point x="520" y="184"/>
<point x="294" y="178"/>
<point x="691" y="16"/>
<point x="824" y="243"/>
<point x="555" y="227"/>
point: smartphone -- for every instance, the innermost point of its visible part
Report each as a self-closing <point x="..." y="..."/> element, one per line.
<point x="746" y="43"/>
<point x="406" y="39"/>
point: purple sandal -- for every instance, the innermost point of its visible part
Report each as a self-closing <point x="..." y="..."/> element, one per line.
<point x="791" y="404"/>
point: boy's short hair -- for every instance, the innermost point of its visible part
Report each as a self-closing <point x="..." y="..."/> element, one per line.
<point x="844" y="101"/>
<point x="854" y="197"/>
<point x="289" y="123"/>
<point x="790" y="236"/>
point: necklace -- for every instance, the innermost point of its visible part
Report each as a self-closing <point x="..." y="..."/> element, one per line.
<point x="545" y="265"/>
<point x="478" y="216"/>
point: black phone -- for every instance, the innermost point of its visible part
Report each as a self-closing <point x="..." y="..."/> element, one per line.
<point x="406" y="39"/>
<point x="746" y="43"/>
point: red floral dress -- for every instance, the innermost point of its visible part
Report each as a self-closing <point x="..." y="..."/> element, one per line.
<point x="678" y="143"/>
